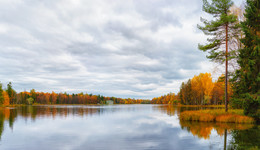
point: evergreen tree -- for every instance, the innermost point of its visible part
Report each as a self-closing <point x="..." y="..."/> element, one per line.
<point x="11" y="93"/>
<point x="188" y="92"/>
<point x="221" y="30"/>
<point x="181" y="93"/>
<point x="247" y="78"/>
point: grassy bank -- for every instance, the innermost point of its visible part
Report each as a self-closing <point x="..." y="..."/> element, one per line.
<point x="217" y="106"/>
<point x="13" y="105"/>
<point x="232" y="116"/>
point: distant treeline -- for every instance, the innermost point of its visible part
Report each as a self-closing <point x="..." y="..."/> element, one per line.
<point x="10" y="96"/>
<point x="170" y="98"/>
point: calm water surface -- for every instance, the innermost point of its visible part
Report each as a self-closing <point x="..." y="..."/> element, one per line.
<point x="117" y="127"/>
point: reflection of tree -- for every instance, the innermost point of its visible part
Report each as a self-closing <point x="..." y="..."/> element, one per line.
<point x="225" y="140"/>
<point x="171" y="110"/>
<point x="2" y="119"/>
<point x="203" y="129"/>
<point x="245" y="139"/>
<point x="168" y="109"/>
<point x="13" y="115"/>
<point x="33" y="112"/>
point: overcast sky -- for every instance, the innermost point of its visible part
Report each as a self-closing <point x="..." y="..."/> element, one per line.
<point x="122" y="48"/>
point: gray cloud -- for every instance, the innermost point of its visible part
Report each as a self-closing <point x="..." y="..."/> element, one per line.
<point x="137" y="49"/>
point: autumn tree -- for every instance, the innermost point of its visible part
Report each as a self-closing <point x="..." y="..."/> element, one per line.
<point x="207" y="86"/>
<point x="218" y="93"/>
<point x="6" y="98"/>
<point x="221" y="29"/>
<point x="202" y="87"/>
<point x="53" y="98"/>
<point x="1" y="94"/>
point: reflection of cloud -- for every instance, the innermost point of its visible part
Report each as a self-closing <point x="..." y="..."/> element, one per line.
<point x="171" y="120"/>
<point x="103" y="127"/>
<point x="183" y="134"/>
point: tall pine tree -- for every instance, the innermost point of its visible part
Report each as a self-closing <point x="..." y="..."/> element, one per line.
<point x="221" y="30"/>
<point x="247" y="78"/>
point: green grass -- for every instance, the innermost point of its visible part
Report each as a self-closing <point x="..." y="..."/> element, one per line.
<point x="217" y="115"/>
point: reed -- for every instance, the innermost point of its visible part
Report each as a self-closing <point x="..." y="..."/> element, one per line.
<point x="233" y="116"/>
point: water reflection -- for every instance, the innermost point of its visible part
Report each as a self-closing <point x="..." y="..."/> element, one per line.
<point x="125" y="126"/>
<point x="245" y="139"/>
<point x="203" y="130"/>
<point x="243" y="136"/>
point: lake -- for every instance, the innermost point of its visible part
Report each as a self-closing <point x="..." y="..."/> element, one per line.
<point x="117" y="127"/>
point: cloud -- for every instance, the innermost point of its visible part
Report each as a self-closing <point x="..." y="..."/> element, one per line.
<point x="138" y="49"/>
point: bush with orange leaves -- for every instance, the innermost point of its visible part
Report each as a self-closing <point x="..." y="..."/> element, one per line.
<point x="233" y="118"/>
<point x="196" y="116"/>
<point x="217" y="115"/>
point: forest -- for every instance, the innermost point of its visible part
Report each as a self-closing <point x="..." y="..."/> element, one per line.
<point x="233" y="41"/>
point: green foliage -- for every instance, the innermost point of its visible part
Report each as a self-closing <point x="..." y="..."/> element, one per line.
<point x="11" y="93"/>
<point x="223" y="21"/>
<point x="245" y="139"/>
<point x="237" y="103"/>
<point x="2" y="119"/>
<point x="251" y="105"/>
<point x="33" y="94"/>
<point x="175" y="102"/>
<point x="29" y="101"/>
<point x="247" y="79"/>
<point x="222" y="30"/>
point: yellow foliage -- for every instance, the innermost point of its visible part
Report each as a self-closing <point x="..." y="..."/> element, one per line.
<point x="202" y="87"/>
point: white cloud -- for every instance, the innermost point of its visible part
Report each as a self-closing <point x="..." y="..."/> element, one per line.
<point x="119" y="48"/>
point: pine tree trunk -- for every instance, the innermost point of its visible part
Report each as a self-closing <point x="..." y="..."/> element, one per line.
<point x="226" y="76"/>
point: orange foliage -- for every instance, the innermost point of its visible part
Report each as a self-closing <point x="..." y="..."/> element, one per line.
<point x="6" y="113"/>
<point x="6" y="98"/>
<point x="234" y="118"/>
<point x="218" y="117"/>
<point x="203" y="129"/>
<point x="170" y="98"/>
<point x="196" y="116"/>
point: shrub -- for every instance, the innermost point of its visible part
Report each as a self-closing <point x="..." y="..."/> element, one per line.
<point x="29" y="101"/>
<point x="251" y="105"/>
<point x="218" y="115"/>
<point x="237" y="103"/>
